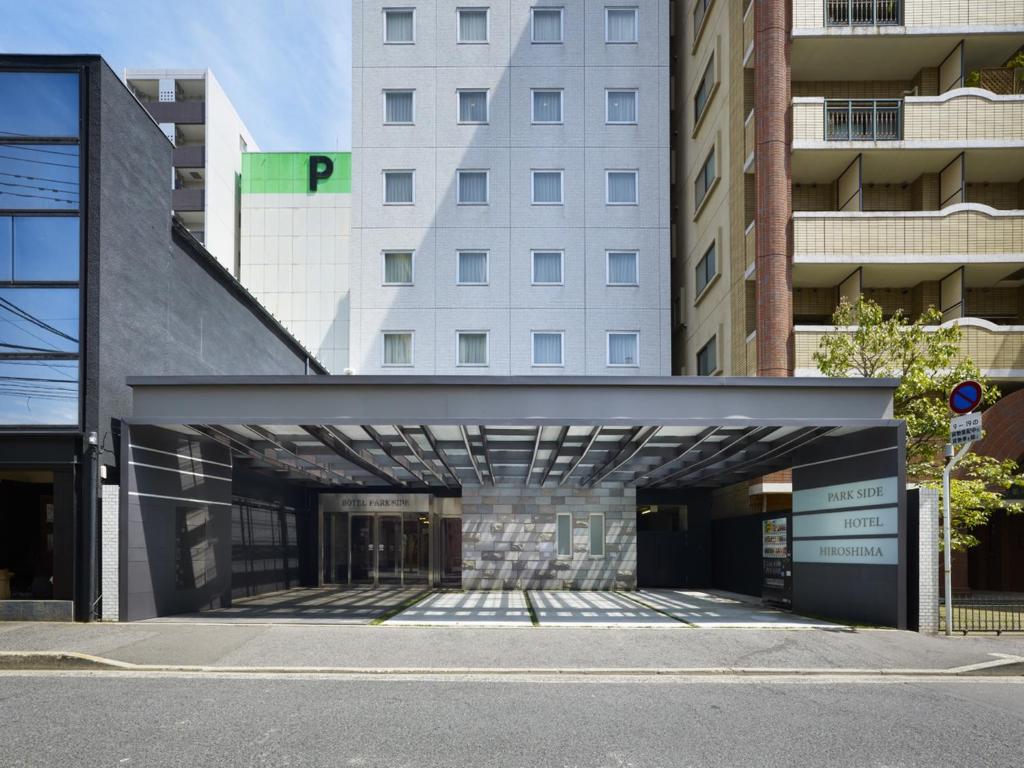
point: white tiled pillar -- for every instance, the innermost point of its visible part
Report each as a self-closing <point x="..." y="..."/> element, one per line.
<point x="109" y="536"/>
<point x="928" y="560"/>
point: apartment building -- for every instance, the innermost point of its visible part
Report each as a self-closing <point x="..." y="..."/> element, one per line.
<point x="511" y="166"/>
<point x="890" y="165"/>
<point x="209" y="140"/>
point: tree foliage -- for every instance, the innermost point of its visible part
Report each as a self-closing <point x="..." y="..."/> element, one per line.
<point x="925" y="357"/>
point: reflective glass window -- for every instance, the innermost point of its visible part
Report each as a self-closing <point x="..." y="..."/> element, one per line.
<point x="39" y="176"/>
<point x="39" y="104"/>
<point x="46" y="248"/>
<point x="40" y="391"/>
<point x="6" y="247"/>
<point x="38" y="320"/>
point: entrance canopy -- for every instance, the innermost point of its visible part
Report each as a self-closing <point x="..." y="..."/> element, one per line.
<point x="443" y="433"/>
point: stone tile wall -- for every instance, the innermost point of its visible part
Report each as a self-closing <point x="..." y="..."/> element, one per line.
<point x="508" y="538"/>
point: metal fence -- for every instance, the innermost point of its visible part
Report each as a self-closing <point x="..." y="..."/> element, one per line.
<point x="985" y="613"/>
<point x="862" y="13"/>
<point x="863" y="120"/>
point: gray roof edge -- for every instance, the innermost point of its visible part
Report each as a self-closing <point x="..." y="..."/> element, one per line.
<point x="516" y="381"/>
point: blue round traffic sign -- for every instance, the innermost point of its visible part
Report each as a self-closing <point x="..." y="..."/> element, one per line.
<point x="965" y="397"/>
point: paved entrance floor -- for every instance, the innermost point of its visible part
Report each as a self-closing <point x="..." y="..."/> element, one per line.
<point x="318" y="605"/>
<point x="724" y="610"/>
<point x="594" y="609"/>
<point x="497" y="609"/>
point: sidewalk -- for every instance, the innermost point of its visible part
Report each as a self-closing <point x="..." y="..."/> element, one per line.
<point x="557" y="648"/>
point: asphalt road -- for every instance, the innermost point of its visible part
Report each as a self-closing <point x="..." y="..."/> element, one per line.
<point x="63" y="719"/>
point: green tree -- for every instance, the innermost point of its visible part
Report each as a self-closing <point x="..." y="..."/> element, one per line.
<point x="928" y="365"/>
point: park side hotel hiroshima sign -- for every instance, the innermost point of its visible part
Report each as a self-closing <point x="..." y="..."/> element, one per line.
<point x="850" y="523"/>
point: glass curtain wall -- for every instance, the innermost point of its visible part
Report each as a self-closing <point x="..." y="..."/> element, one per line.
<point x="40" y="248"/>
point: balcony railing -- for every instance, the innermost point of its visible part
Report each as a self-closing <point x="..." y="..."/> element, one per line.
<point x="863" y="13"/>
<point x="1005" y="81"/>
<point x="863" y="120"/>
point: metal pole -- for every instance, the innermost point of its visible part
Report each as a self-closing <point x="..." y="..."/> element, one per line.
<point x="947" y="535"/>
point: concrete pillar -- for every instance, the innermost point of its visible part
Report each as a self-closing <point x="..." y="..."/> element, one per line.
<point x="774" y="214"/>
<point x="928" y="560"/>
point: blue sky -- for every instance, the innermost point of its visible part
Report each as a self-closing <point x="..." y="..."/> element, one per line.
<point x="285" y="64"/>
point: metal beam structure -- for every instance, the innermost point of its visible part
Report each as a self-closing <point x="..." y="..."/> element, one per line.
<point x="438" y="432"/>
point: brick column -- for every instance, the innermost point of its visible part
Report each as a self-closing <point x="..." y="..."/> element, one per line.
<point x="773" y="217"/>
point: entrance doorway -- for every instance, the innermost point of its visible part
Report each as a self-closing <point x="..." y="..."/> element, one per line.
<point x="26" y="535"/>
<point x="373" y="549"/>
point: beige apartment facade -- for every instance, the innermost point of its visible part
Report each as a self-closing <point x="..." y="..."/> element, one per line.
<point x="901" y="175"/>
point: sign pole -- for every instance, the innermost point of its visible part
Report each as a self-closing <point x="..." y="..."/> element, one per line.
<point x="947" y="536"/>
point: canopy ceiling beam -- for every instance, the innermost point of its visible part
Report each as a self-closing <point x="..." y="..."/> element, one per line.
<point x="472" y="456"/>
<point x="628" y="447"/>
<point x="553" y="458"/>
<point x="391" y="453"/>
<point x="487" y="454"/>
<point x="721" y="450"/>
<point x="270" y="437"/>
<point x="341" y="446"/>
<point x="441" y="455"/>
<point x="680" y="453"/>
<point x="410" y="443"/>
<point x="533" y="457"/>
<point x="579" y="459"/>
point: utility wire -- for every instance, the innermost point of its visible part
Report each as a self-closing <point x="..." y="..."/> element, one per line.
<point x="19" y="312"/>
<point x="37" y="162"/>
<point x="39" y="178"/>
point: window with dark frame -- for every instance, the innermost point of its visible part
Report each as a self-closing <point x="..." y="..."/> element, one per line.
<point x="706" y="270"/>
<point x="705" y="178"/>
<point x="703" y="94"/>
<point x="707" y="358"/>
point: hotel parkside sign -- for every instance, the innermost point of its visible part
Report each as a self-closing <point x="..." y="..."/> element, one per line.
<point x="850" y="523"/>
<point x="376" y="502"/>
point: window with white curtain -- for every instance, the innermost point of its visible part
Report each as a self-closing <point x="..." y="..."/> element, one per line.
<point x="398" y="268"/>
<point x="472" y="188"/>
<point x="620" y="25"/>
<point x="621" y="107"/>
<point x="547" y="348"/>
<point x="707" y="358"/>
<point x="622" y="187"/>
<point x="472" y="106"/>
<point x="547" y="268"/>
<point x="472" y="25"/>
<point x="547" y="106"/>
<point x="472" y="347"/>
<point x="397" y="348"/>
<point x="596" y="530"/>
<point x="622" y="348"/>
<point x="622" y="268"/>
<point x="547" y="187"/>
<point x="398" y="107"/>
<point x="705" y="178"/>
<point x="547" y="25"/>
<point x="398" y="187"/>
<point x="399" y="25"/>
<point x="472" y="268"/>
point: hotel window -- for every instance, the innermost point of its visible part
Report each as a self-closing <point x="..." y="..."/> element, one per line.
<point x="563" y="535"/>
<point x="547" y="187"/>
<point x="596" y="534"/>
<point x="473" y="107"/>
<point x="398" y="268"/>
<point x="707" y="358"/>
<point x="472" y="25"/>
<point x="472" y="268"/>
<point x="621" y="187"/>
<point x="700" y="98"/>
<point x="399" y="108"/>
<point x="398" y="187"/>
<point x="547" y="268"/>
<point x="700" y="12"/>
<point x="622" y="268"/>
<point x="621" y="107"/>
<point x="547" y="25"/>
<point x="548" y="348"/>
<point x="620" y="25"/>
<point x="472" y="348"/>
<point x="472" y="188"/>
<point x="397" y="348"/>
<point x="705" y="178"/>
<point x="40" y="249"/>
<point x="706" y="269"/>
<point x="399" y="25"/>
<point x="547" y="107"/>
<point x="622" y="348"/>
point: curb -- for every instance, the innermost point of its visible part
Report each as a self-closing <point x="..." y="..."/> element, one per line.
<point x="1012" y="666"/>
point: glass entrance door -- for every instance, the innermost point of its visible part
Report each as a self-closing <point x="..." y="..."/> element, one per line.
<point x="364" y="550"/>
<point x="389" y="549"/>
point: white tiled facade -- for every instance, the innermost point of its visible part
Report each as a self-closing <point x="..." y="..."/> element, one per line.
<point x="509" y="227"/>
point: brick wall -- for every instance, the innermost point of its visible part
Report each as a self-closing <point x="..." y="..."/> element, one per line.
<point x="509" y="538"/>
<point x="109" y="560"/>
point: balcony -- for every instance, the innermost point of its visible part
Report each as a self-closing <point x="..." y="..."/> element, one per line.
<point x="951" y="235"/>
<point x="998" y="350"/>
<point x="188" y="112"/>
<point x="188" y="199"/>
<point x="954" y="119"/>
<point x="848" y="15"/>
<point x="863" y="13"/>
<point x="193" y="156"/>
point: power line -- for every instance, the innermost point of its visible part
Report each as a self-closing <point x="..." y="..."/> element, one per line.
<point x="40" y="189"/>
<point x="38" y="178"/>
<point x="37" y="162"/>
<point x="40" y="197"/>
<point x="28" y="148"/>
<point x="14" y="309"/>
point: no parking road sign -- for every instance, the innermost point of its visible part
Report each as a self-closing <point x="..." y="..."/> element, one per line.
<point x="965" y="397"/>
